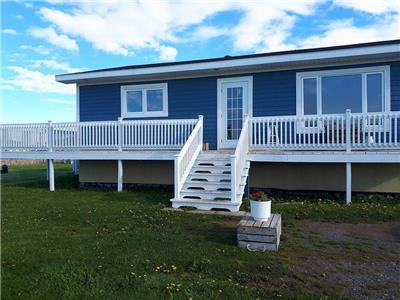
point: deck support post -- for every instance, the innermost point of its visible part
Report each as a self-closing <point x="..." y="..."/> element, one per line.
<point x="75" y="167"/>
<point x="120" y="175"/>
<point x="348" y="183"/>
<point x="47" y="170"/>
<point x="51" y="175"/>
<point x="120" y="179"/>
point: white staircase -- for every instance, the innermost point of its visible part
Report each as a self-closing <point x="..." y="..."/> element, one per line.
<point x="208" y="183"/>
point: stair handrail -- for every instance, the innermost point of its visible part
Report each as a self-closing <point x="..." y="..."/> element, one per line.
<point x="187" y="156"/>
<point x="239" y="159"/>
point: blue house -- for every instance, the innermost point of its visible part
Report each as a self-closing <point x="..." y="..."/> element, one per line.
<point x="314" y="119"/>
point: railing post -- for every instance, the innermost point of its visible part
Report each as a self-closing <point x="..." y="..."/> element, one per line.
<point x="177" y="170"/>
<point x="120" y="135"/>
<point x="250" y="131"/>
<point x="201" y="130"/>
<point x="50" y="136"/>
<point x="348" y="130"/>
<point x="233" y="178"/>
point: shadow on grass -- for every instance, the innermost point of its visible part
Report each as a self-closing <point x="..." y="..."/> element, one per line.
<point x="34" y="176"/>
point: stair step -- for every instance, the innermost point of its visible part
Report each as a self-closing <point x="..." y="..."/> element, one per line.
<point x="206" y="195"/>
<point x="212" y="163"/>
<point x="205" y="204"/>
<point x="210" y="170"/>
<point x="206" y="185"/>
<point x="209" y="177"/>
<point x="214" y="155"/>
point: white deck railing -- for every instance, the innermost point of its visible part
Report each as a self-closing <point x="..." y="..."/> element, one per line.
<point x="239" y="160"/>
<point x="187" y="156"/>
<point x="104" y="135"/>
<point x="360" y="131"/>
<point x="327" y="132"/>
<point x="24" y="136"/>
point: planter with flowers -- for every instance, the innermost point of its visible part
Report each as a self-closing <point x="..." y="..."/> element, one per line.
<point x="260" y="206"/>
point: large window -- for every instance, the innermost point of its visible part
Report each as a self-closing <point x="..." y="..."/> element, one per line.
<point x="146" y="100"/>
<point x="334" y="91"/>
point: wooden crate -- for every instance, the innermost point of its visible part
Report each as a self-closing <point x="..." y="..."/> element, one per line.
<point x="260" y="236"/>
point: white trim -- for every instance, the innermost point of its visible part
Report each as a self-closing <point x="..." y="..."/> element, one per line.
<point x="93" y="155"/>
<point x="248" y="108"/>
<point x="364" y="71"/>
<point x="236" y="72"/>
<point x="75" y="163"/>
<point x="327" y="157"/>
<point x="77" y="104"/>
<point x="235" y="63"/>
<point x="144" y="88"/>
<point x="305" y="156"/>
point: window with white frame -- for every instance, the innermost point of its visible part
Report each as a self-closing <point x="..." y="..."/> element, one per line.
<point x="333" y="91"/>
<point x="145" y="100"/>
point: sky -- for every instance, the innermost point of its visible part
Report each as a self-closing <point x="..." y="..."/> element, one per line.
<point x="42" y="38"/>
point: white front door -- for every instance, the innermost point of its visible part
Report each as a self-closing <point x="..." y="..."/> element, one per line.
<point x="234" y="102"/>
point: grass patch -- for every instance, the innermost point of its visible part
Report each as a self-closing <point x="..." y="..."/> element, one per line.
<point x="98" y="244"/>
<point x="370" y="210"/>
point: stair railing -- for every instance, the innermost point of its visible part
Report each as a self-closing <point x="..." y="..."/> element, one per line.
<point x="239" y="159"/>
<point x="187" y="156"/>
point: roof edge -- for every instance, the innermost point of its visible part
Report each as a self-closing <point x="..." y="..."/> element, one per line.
<point x="69" y="77"/>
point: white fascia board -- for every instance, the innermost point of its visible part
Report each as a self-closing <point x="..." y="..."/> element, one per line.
<point x="339" y="157"/>
<point x="91" y="155"/>
<point x="235" y="63"/>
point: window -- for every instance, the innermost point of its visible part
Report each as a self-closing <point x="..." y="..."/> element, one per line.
<point x="334" y="91"/>
<point x="310" y="96"/>
<point x="146" y="100"/>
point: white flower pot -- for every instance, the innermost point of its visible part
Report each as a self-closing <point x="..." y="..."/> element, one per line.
<point x="260" y="210"/>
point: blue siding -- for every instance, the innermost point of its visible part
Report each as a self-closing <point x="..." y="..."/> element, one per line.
<point x="274" y="93"/>
<point x="395" y="86"/>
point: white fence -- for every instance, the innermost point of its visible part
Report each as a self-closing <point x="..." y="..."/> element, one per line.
<point x="107" y="135"/>
<point x="326" y="132"/>
<point x="187" y="156"/>
<point x="360" y="131"/>
<point x="24" y="136"/>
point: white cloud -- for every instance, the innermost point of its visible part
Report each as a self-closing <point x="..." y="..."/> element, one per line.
<point x="54" y="65"/>
<point x="36" y="81"/>
<point x="167" y="53"/>
<point x="59" y="101"/>
<point x="123" y="27"/>
<point x="6" y="87"/>
<point x="265" y="26"/>
<point x="370" y="6"/>
<point x="9" y="31"/>
<point x="206" y="32"/>
<point x="38" y="49"/>
<point x="19" y="17"/>
<point x="51" y="36"/>
<point x="343" y="32"/>
<point x="120" y="28"/>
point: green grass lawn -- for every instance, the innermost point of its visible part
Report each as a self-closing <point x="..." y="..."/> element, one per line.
<point x="97" y="244"/>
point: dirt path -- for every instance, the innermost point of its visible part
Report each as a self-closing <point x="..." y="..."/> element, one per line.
<point x="356" y="260"/>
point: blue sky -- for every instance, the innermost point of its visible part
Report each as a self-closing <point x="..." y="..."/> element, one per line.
<point x="41" y="39"/>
